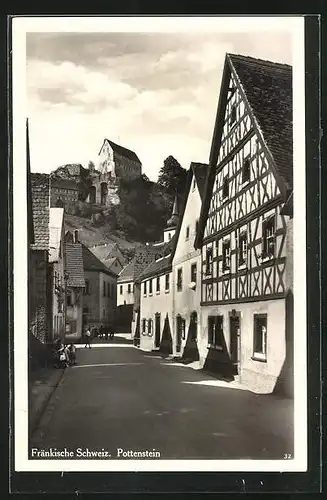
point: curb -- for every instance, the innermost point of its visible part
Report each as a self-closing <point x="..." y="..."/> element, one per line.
<point x="39" y="413"/>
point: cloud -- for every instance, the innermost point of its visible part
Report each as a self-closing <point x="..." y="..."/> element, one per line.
<point x="154" y="93"/>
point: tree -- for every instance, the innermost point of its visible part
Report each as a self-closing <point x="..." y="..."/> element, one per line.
<point x="172" y="176"/>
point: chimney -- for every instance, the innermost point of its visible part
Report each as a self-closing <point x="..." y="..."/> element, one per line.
<point x="75" y="235"/>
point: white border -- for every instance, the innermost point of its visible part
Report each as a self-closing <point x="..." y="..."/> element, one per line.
<point x="20" y="26"/>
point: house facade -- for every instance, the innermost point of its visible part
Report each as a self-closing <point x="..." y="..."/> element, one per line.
<point x="57" y="263"/>
<point x="243" y="232"/>
<point x="64" y="192"/>
<point x="75" y="284"/>
<point x="111" y="255"/>
<point x="99" y="301"/>
<point x="186" y="270"/>
<point x="39" y="279"/>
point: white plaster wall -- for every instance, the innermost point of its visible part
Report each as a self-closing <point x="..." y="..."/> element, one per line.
<point x="125" y="297"/>
<point x="152" y="304"/>
<point x="257" y="375"/>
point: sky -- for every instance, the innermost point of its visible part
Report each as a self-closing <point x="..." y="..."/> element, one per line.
<point x="153" y="93"/>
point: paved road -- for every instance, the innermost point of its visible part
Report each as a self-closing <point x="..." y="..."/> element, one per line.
<point x="120" y="397"/>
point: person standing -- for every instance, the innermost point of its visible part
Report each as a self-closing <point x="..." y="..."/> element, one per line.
<point x="88" y="338"/>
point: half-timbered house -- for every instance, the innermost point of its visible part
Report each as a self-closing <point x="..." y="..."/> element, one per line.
<point x="243" y="227"/>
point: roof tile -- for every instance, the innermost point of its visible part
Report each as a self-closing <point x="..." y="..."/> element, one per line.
<point x="74" y="264"/>
<point x="40" y="190"/>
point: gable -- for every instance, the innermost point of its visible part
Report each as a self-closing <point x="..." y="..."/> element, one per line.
<point x="106" y="149"/>
<point x="191" y="214"/>
<point x="238" y="137"/>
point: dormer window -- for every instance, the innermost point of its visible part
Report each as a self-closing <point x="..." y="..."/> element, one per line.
<point x="225" y="187"/>
<point x="233" y="115"/>
<point x="187" y="232"/>
<point x="246" y="170"/>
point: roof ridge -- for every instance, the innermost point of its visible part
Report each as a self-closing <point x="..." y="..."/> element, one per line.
<point x="257" y="59"/>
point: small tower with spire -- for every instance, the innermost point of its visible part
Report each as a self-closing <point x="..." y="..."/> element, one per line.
<point x="172" y="222"/>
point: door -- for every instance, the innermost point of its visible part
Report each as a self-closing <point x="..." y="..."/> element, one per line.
<point x="157" y="334"/>
<point x="179" y="333"/>
<point x="235" y="342"/>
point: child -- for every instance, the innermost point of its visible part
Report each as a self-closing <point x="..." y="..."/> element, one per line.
<point x="72" y="354"/>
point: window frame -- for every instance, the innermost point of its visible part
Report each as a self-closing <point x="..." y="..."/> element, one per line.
<point x="121" y="289"/>
<point x="187" y="233"/>
<point x="265" y="254"/>
<point x="158" y="284"/>
<point x="242" y="253"/>
<point x="179" y="279"/>
<point x="167" y="281"/>
<point x="209" y="262"/>
<point x="150" y="287"/>
<point x="144" y="287"/>
<point x="233" y="115"/>
<point x="226" y="256"/>
<point x="193" y="273"/>
<point x="257" y="355"/>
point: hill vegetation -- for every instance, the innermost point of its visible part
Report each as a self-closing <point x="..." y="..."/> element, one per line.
<point x="141" y="215"/>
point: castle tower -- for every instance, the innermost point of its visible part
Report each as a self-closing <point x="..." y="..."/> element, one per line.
<point x="172" y="222"/>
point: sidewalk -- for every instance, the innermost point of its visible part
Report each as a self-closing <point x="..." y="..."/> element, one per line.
<point x="42" y="385"/>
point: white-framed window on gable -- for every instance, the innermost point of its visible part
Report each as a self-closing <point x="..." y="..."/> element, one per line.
<point x="209" y="261"/>
<point x="187" y="232"/>
<point x="242" y="249"/>
<point x="268" y="237"/>
<point x="260" y="337"/>
<point x="226" y="256"/>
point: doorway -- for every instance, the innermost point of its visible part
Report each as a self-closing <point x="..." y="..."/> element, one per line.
<point x="157" y="333"/>
<point x="235" y="341"/>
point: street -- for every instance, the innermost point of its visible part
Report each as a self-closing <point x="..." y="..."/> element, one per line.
<point x="119" y="397"/>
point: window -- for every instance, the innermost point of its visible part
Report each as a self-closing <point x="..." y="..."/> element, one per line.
<point x="150" y="286"/>
<point x="150" y="327"/>
<point x="233" y="115"/>
<point x="225" y="187"/>
<point x="103" y="312"/>
<point x="87" y="287"/>
<point x="196" y="227"/>
<point x="226" y="255"/>
<point x="158" y="284"/>
<point x="242" y="249"/>
<point x="268" y="237"/>
<point x="143" y="325"/>
<point x="104" y="288"/>
<point x="260" y="337"/>
<point x="144" y="288"/>
<point x="121" y="289"/>
<point x="187" y="232"/>
<point x="179" y="279"/>
<point x="216" y="332"/>
<point x="169" y="236"/>
<point x="129" y="288"/>
<point x="246" y="170"/>
<point x="193" y="273"/>
<point x="167" y="282"/>
<point x="69" y="298"/>
<point x="209" y="258"/>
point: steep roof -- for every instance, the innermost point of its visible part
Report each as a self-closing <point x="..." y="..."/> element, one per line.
<point x="156" y="267"/>
<point x="268" y="89"/>
<point x="126" y="153"/>
<point x="200" y="172"/>
<point x="55" y="231"/>
<point x="92" y="263"/>
<point x="102" y="252"/>
<point x="142" y="258"/>
<point x="40" y="190"/>
<point x="74" y="265"/>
